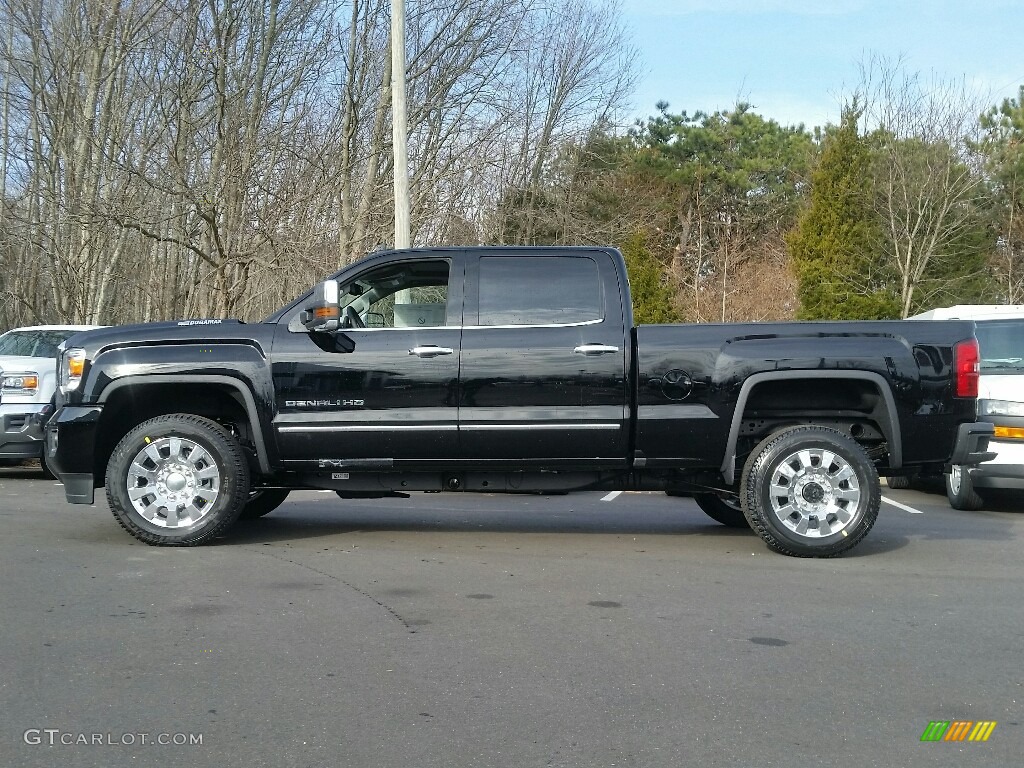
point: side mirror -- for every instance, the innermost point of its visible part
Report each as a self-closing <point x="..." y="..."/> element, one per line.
<point x="322" y="312"/>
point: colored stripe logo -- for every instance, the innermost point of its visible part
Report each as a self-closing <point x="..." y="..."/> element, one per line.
<point x="958" y="730"/>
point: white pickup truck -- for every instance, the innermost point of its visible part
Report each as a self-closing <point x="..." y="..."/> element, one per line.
<point x="28" y="364"/>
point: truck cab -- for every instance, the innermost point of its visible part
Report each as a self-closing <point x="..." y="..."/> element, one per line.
<point x="510" y="357"/>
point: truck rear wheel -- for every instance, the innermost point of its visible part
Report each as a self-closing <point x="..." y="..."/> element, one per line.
<point x="898" y="482"/>
<point x="810" y="491"/>
<point x="726" y="510"/>
<point x="177" y="480"/>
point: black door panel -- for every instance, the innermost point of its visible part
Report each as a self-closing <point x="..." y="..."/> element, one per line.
<point x="543" y="368"/>
<point x="394" y="397"/>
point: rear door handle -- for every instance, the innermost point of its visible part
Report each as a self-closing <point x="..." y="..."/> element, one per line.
<point x="595" y="349"/>
<point x="429" y="350"/>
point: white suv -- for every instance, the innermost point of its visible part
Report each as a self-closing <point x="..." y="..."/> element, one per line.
<point x="1000" y="331"/>
<point x="28" y="360"/>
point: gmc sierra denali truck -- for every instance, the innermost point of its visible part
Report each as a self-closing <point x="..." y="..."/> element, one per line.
<point x="509" y="369"/>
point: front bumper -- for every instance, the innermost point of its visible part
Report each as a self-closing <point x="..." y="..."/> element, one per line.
<point x="70" y="443"/>
<point x="21" y="429"/>
<point x="972" y="445"/>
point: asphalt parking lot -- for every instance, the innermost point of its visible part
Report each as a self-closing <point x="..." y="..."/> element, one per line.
<point x="465" y="630"/>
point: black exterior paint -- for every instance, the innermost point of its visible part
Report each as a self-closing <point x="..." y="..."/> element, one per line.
<point x="526" y="397"/>
<point x="915" y="361"/>
<point x="516" y="398"/>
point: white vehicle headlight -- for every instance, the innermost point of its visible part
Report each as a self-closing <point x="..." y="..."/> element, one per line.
<point x="21" y="382"/>
<point x="1001" y="407"/>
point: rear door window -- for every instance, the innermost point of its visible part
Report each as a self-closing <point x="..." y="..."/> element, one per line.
<point x="544" y="290"/>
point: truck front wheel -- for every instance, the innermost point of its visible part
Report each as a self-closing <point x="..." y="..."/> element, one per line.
<point x="177" y="480"/>
<point x="810" y="492"/>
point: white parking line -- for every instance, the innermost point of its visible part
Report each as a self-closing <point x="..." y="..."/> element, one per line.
<point x="904" y="507"/>
<point x="611" y="496"/>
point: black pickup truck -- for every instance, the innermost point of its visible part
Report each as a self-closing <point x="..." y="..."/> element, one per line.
<point x="509" y="369"/>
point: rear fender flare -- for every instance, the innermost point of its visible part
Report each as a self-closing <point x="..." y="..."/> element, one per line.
<point x="891" y="430"/>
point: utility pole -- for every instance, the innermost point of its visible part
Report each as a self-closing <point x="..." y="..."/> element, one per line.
<point x="399" y="127"/>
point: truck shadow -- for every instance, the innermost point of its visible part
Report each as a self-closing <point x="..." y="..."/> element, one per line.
<point x="298" y="520"/>
<point x="20" y="470"/>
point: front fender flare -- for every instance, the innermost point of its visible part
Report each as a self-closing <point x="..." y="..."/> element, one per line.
<point x="248" y="401"/>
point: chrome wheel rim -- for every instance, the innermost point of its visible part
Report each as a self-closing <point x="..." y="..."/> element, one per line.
<point x="955" y="479"/>
<point x="173" y="482"/>
<point x="815" y="493"/>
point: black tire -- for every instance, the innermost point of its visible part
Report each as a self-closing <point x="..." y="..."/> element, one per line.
<point x="207" y="480"/>
<point x="44" y="465"/>
<point x="767" y="491"/>
<point x="726" y="510"/>
<point x="960" y="490"/>
<point x="263" y="501"/>
<point x="898" y="482"/>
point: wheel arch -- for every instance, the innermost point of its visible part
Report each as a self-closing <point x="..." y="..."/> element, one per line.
<point x="131" y="400"/>
<point x="887" y="418"/>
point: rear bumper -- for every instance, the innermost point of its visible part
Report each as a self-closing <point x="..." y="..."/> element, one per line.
<point x="70" y="444"/>
<point x="972" y="444"/>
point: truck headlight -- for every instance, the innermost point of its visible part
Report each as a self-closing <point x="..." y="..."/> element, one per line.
<point x="21" y="383"/>
<point x="1000" y="408"/>
<point x="72" y="365"/>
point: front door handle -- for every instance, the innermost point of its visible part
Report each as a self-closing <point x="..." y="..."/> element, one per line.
<point x="595" y="349"/>
<point x="430" y="350"/>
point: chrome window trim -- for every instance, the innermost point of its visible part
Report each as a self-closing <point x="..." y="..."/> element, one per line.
<point x="470" y="327"/>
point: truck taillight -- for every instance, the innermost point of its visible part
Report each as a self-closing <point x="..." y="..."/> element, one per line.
<point x="966" y="361"/>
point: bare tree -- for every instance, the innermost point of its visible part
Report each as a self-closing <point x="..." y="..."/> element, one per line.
<point x="928" y="179"/>
<point x="67" y="82"/>
<point x="214" y="157"/>
<point x="577" y="70"/>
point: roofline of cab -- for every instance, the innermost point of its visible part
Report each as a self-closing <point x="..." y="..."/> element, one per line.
<point x="534" y="250"/>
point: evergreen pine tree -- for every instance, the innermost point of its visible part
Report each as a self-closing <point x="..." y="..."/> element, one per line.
<point x="835" y="245"/>
<point x="652" y="297"/>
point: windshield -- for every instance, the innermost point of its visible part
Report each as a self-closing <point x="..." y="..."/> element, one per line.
<point x="1002" y="345"/>
<point x="33" y="343"/>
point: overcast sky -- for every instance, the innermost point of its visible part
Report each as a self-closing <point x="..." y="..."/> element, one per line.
<point x="796" y="60"/>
